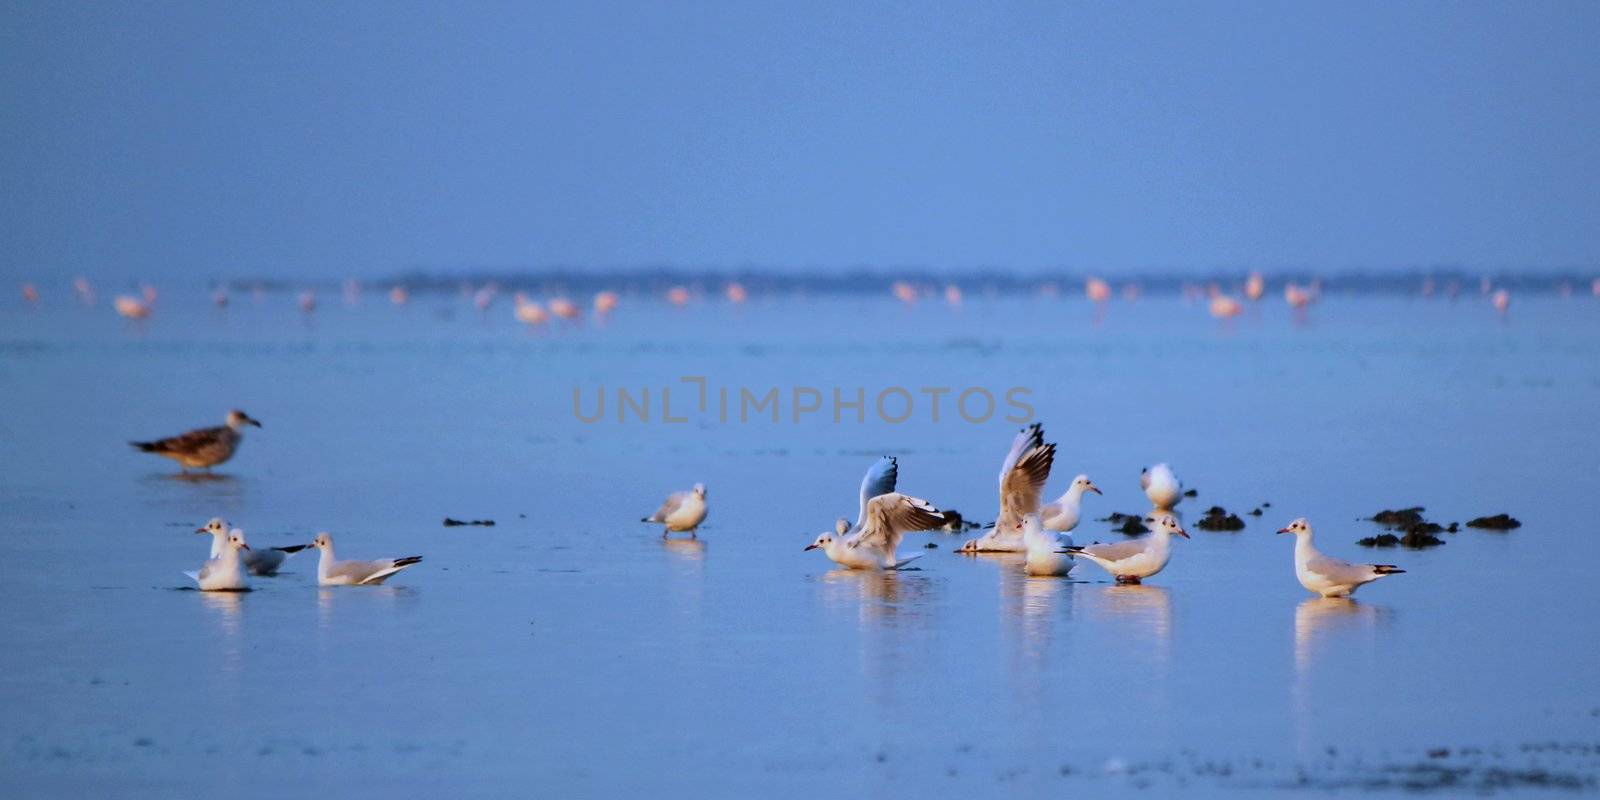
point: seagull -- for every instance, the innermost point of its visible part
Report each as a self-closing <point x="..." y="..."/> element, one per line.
<point x="203" y="447"/>
<point x="1161" y="486"/>
<point x="683" y="511"/>
<point x="1045" y="553"/>
<point x="1136" y="559"/>
<point x="1063" y="514"/>
<point x="1326" y="575"/>
<point x="259" y="562"/>
<point x="887" y="519"/>
<point x="871" y="542"/>
<point x="333" y="572"/>
<point x="224" y="571"/>
<point x="1022" y="478"/>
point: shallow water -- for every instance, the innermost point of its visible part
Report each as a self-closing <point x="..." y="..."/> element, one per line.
<point x="569" y="648"/>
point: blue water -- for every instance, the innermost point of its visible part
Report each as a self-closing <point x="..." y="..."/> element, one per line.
<point x="569" y="651"/>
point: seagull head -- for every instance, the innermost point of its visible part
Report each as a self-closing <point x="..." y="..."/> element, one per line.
<point x="215" y="526"/>
<point x="236" y="540"/>
<point x="822" y="541"/>
<point x="238" y="419"/>
<point x="323" y="541"/>
<point x="700" y="490"/>
<point x="1083" y="484"/>
<point x="1166" y="523"/>
<point x="1299" y="526"/>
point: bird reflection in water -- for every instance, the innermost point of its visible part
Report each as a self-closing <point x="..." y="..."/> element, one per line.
<point x="688" y="550"/>
<point x="1141" y="612"/>
<point x="894" y="612"/>
<point x="1324" y="626"/>
<point x="227" y="608"/>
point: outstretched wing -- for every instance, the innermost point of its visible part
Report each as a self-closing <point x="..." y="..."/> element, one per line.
<point x="891" y="516"/>
<point x="191" y="442"/>
<point x="880" y="479"/>
<point x="1027" y="439"/>
<point x="1022" y="489"/>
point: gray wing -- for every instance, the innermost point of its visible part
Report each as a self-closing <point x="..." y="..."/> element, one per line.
<point x="1022" y="489"/>
<point x="211" y="566"/>
<point x="1337" y="570"/>
<point x="891" y="516"/>
<point x="674" y="500"/>
<point x="880" y="479"/>
<point x="1027" y="439"/>
<point x="1115" y="551"/>
<point x="357" y="571"/>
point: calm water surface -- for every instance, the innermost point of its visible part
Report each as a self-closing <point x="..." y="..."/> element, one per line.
<point x="569" y="651"/>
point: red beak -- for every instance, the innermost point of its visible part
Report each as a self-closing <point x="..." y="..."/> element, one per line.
<point x="1284" y="530"/>
<point x="1183" y="533"/>
<point x="1096" y="490"/>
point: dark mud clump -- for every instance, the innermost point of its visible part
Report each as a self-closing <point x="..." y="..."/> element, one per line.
<point x="1421" y="535"/>
<point x="1217" y="518"/>
<point x="1381" y="540"/>
<point x="1498" y="522"/>
<point x="931" y="546"/>
<point x="1192" y="493"/>
<point x="955" y="523"/>
<point x="1128" y="524"/>
<point x="1400" y="517"/>
<point x="1255" y="512"/>
<point x="451" y="523"/>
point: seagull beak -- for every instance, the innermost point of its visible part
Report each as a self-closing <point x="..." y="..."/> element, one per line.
<point x="243" y="546"/>
<point x="809" y="547"/>
<point x="1095" y="489"/>
<point x="1183" y="533"/>
<point x="203" y="530"/>
<point x="255" y="422"/>
<point x="1284" y="530"/>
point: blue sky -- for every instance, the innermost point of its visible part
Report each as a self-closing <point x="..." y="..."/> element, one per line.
<point x="314" y="139"/>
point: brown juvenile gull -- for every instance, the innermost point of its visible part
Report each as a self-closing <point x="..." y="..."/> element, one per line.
<point x="203" y="447"/>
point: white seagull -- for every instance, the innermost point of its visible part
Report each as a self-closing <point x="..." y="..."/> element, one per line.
<point x="1161" y="486"/>
<point x="333" y="572"/>
<point x="1326" y="575"/>
<point x="224" y="572"/>
<point x="258" y="562"/>
<point x="883" y="519"/>
<point x="1062" y="515"/>
<point x="1022" y="478"/>
<point x="682" y="511"/>
<point x="1045" y="553"/>
<point x="1136" y="559"/>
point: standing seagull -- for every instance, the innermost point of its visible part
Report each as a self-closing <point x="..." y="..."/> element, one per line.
<point x="683" y="511"/>
<point x="1161" y="486"/>
<point x="1045" y="554"/>
<point x="259" y="562"/>
<point x="224" y="572"/>
<point x="1062" y="515"/>
<point x="204" y="447"/>
<point x="1136" y="559"/>
<point x="333" y="572"/>
<point x="1326" y="575"/>
<point x="1022" y="478"/>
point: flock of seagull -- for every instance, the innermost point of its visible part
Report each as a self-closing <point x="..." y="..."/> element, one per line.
<point x="1041" y="531"/>
<point x="232" y="561"/>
